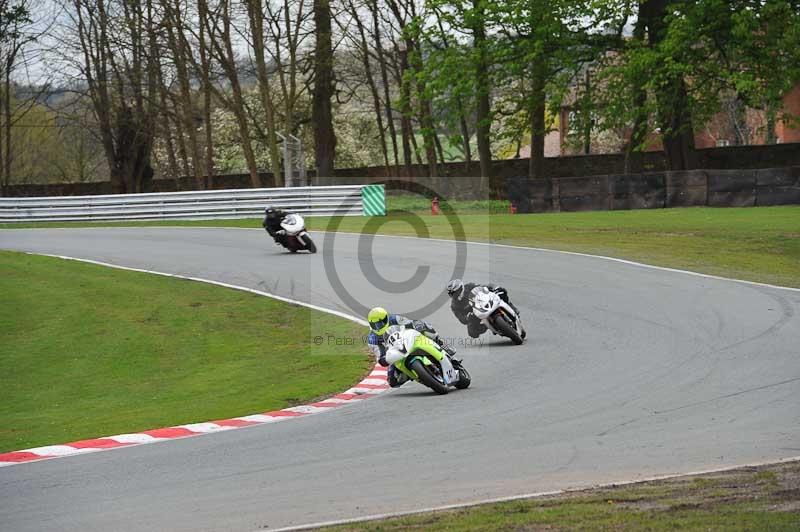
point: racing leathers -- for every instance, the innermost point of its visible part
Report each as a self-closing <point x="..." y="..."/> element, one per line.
<point x="272" y="223"/>
<point x="462" y="307"/>
<point x="378" y="344"/>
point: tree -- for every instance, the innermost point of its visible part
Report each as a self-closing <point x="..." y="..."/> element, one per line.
<point x="112" y="46"/>
<point x="461" y="71"/>
<point x="542" y="47"/>
<point x="686" y="59"/>
<point x="16" y="32"/>
<point x="180" y="49"/>
<point x="220" y="40"/>
<point x="321" y="110"/>
<point x="256" y="17"/>
<point x="363" y="51"/>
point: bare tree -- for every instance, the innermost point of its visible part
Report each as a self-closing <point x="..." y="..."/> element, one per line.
<point x="204" y="69"/>
<point x="256" y="17"/>
<point x="379" y="53"/>
<point x="19" y="28"/>
<point x="362" y="48"/>
<point x="179" y="48"/>
<point x="218" y="29"/>
<point x="287" y="30"/>
<point x="117" y="60"/>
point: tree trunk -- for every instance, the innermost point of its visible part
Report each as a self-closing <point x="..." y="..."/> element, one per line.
<point x="321" y="112"/>
<point x="462" y="122"/>
<point x="674" y="116"/>
<point x="7" y="123"/>
<point x="385" y="79"/>
<point x="179" y="48"/>
<point x="3" y="177"/>
<point x="205" y="67"/>
<point x="537" y="112"/>
<point x="482" y="90"/>
<point x="256" y="17"/>
<point x="172" y="162"/>
<point x="587" y="120"/>
<point x="638" y="135"/>
<point x="166" y="131"/>
<point x="131" y="171"/>
<point x="425" y="119"/>
<point x="376" y="100"/>
<point x="180" y="140"/>
<point x="227" y="60"/>
<point x="405" y="119"/>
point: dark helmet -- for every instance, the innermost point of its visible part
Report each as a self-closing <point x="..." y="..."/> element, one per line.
<point x="455" y="288"/>
<point x="271" y="212"/>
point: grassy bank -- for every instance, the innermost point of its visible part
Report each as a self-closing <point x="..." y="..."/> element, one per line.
<point x="89" y="351"/>
<point x="765" y="498"/>
<point x="758" y="244"/>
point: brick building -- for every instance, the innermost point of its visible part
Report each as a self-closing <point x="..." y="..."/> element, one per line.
<point x="733" y="125"/>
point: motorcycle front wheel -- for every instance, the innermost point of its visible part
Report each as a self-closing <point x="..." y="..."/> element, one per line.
<point x="507" y="330"/>
<point x="310" y="246"/>
<point x="464" y="380"/>
<point x="426" y="378"/>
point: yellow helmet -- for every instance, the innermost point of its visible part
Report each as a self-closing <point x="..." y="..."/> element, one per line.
<point x="378" y="320"/>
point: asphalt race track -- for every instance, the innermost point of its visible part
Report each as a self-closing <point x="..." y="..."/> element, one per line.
<point x="628" y="372"/>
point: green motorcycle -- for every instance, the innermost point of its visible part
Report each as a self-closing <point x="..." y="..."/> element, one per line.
<point x="422" y="360"/>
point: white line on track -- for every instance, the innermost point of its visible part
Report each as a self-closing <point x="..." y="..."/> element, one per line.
<point x="576" y="253"/>
<point x="358" y="320"/>
<point x="210" y="281"/>
<point x="202" y="428"/>
<point x="534" y="495"/>
<point x="471" y="242"/>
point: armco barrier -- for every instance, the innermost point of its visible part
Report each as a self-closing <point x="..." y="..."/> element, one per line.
<point x="199" y="205"/>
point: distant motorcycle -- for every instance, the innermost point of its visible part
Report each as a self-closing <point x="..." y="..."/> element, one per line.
<point x="497" y="315"/>
<point x="293" y="235"/>
<point x="422" y="360"/>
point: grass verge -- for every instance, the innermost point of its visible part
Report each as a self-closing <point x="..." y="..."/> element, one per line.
<point x="757" y="244"/>
<point x="764" y="498"/>
<point x="88" y="351"/>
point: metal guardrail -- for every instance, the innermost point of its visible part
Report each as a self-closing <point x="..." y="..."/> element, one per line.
<point x="197" y="205"/>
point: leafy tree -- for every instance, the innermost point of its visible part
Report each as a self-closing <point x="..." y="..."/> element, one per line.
<point x="686" y="58"/>
<point x="459" y="70"/>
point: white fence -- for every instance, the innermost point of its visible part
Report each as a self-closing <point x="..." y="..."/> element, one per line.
<point x="199" y="205"/>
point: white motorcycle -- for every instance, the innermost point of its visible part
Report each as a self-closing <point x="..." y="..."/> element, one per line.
<point x="297" y="238"/>
<point x="497" y="315"/>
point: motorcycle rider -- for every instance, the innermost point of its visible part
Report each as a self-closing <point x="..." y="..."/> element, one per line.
<point x="379" y="323"/>
<point x="273" y="217"/>
<point x="460" y="293"/>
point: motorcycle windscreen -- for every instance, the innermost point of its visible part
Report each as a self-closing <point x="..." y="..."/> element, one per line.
<point x="293" y="224"/>
<point x="484" y="304"/>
